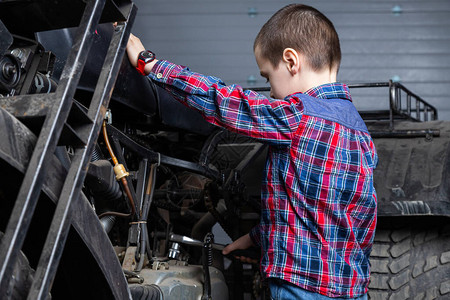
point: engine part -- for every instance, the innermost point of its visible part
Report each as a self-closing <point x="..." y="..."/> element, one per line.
<point x="9" y="73"/>
<point x="174" y="251"/>
<point x="207" y="260"/>
<point x="100" y="181"/>
<point x="108" y="222"/>
<point x="189" y="241"/>
<point x="42" y="84"/>
<point x="177" y="280"/>
<point x="146" y="292"/>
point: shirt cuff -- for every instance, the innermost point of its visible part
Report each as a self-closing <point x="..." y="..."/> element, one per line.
<point x="163" y="71"/>
<point x="255" y="235"/>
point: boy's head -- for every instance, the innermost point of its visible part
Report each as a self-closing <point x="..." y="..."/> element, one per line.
<point x="304" y="29"/>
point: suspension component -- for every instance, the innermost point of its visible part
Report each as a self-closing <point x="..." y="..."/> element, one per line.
<point x="207" y="261"/>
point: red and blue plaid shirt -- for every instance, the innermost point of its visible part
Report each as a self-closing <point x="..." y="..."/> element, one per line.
<point x="318" y="200"/>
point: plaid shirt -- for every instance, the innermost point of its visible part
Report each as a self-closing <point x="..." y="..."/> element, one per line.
<point x="318" y="200"/>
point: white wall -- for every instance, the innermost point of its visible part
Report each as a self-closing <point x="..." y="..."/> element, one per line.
<point x="216" y="38"/>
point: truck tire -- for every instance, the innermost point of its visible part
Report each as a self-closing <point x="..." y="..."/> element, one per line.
<point x="22" y="278"/>
<point x="411" y="262"/>
<point x="88" y="259"/>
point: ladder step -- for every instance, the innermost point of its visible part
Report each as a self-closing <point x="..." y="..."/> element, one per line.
<point x="73" y="133"/>
<point x="78" y="116"/>
<point x="71" y="137"/>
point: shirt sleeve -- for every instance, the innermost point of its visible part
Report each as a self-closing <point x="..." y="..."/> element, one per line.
<point x="255" y="235"/>
<point x="229" y="106"/>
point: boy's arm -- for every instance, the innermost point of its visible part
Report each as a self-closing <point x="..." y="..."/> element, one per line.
<point x="245" y="112"/>
<point x="242" y="243"/>
<point x="134" y="47"/>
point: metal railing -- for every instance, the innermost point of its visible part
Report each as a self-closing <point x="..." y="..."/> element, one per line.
<point x="403" y="104"/>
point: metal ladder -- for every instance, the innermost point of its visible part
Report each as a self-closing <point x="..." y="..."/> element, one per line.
<point x="85" y="132"/>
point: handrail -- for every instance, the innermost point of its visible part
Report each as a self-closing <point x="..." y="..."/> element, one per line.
<point x="411" y="107"/>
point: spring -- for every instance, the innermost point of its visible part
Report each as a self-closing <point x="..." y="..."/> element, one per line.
<point x="96" y="154"/>
<point x="210" y="256"/>
<point x="209" y="238"/>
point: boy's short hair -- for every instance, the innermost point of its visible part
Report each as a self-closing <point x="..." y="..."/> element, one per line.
<point x="304" y="29"/>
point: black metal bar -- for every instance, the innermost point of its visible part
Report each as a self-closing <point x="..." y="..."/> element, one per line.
<point x="426" y="105"/>
<point x="368" y="85"/>
<point x="37" y="52"/>
<point x="28" y="195"/>
<point x="155" y="157"/>
<point x="59" y="229"/>
<point x="404" y="116"/>
<point x="36" y="105"/>
<point x="417" y="109"/>
<point x="6" y="39"/>
<point x="392" y="95"/>
<point x="140" y="185"/>
<point x="405" y="133"/>
<point x="408" y="104"/>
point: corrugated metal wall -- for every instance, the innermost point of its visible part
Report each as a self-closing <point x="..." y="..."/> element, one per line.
<point x="404" y="40"/>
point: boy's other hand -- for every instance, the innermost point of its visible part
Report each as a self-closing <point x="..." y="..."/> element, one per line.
<point x="242" y="243"/>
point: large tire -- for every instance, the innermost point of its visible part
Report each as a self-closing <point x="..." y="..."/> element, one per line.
<point x="89" y="267"/>
<point x="411" y="262"/>
<point x="22" y="278"/>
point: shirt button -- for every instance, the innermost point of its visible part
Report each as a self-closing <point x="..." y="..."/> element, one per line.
<point x="159" y="75"/>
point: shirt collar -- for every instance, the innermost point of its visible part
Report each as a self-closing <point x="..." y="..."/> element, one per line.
<point x="330" y="91"/>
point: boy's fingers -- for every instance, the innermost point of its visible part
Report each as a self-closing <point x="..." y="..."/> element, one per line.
<point x="245" y="259"/>
<point x="252" y="253"/>
<point x="227" y="249"/>
<point x="249" y="260"/>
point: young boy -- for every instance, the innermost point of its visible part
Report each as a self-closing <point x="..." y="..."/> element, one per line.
<point x="318" y="200"/>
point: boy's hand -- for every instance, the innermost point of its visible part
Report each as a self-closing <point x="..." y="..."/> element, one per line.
<point x="134" y="47"/>
<point x="242" y="243"/>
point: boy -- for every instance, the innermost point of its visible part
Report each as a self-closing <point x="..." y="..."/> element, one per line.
<point x="318" y="201"/>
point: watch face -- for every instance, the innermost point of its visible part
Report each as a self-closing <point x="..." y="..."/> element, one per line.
<point x="147" y="56"/>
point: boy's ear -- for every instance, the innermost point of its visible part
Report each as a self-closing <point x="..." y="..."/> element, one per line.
<point x="292" y="59"/>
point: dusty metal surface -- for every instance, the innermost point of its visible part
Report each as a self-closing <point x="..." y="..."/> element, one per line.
<point x="412" y="175"/>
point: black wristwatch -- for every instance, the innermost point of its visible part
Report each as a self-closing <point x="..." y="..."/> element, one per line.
<point x="144" y="58"/>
